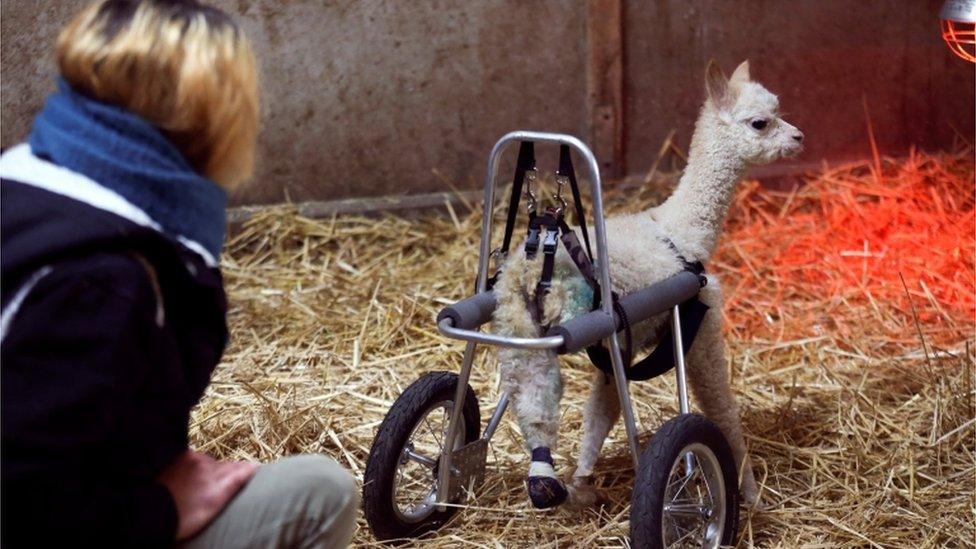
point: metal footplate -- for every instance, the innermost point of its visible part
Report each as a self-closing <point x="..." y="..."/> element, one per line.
<point x="467" y="469"/>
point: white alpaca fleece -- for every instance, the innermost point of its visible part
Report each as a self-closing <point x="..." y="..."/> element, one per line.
<point x="738" y="125"/>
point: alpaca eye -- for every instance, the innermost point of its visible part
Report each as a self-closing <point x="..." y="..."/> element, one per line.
<point x="759" y="123"/>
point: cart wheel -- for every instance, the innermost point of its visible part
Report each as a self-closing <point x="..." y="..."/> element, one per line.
<point x="685" y="493"/>
<point x="400" y="482"/>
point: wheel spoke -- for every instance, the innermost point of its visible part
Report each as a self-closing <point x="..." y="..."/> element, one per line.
<point x="433" y="433"/>
<point x="684" y="483"/>
<point x="414" y="482"/>
<point x="708" y="489"/>
<point x="678" y="535"/>
<point x="688" y="534"/>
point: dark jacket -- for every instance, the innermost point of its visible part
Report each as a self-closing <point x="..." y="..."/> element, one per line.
<point x="110" y="332"/>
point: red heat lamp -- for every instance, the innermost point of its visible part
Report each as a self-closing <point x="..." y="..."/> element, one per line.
<point x="959" y="27"/>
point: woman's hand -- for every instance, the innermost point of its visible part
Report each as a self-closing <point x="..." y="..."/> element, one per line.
<point x="201" y="487"/>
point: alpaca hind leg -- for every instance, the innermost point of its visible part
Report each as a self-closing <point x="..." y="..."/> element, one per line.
<point x="535" y="385"/>
<point x="708" y="375"/>
<point x="600" y="414"/>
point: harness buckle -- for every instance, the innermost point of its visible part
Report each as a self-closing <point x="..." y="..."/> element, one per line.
<point x="532" y="242"/>
<point x="551" y="241"/>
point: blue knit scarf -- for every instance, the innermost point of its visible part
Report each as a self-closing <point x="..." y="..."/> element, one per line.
<point x="125" y="153"/>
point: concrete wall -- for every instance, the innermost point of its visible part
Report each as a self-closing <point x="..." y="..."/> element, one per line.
<point x="824" y="58"/>
<point x="368" y="98"/>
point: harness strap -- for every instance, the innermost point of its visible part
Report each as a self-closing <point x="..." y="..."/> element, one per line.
<point x="546" y="226"/>
<point x="548" y="264"/>
<point x="580" y="257"/>
<point x="524" y="163"/>
<point x="696" y="267"/>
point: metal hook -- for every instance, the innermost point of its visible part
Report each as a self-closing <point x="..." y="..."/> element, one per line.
<point x="498" y="256"/>
<point x="531" y="176"/>
<point x="561" y="181"/>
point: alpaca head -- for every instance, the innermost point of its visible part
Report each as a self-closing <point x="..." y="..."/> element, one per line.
<point x="747" y="117"/>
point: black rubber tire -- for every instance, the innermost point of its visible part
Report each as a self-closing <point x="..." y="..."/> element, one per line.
<point x="647" y="501"/>
<point x="378" y="479"/>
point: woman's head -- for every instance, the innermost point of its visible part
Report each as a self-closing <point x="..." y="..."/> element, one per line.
<point x="185" y="67"/>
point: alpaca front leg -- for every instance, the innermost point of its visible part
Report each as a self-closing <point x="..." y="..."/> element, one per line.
<point x="535" y="385"/>
<point x="708" y="375"/>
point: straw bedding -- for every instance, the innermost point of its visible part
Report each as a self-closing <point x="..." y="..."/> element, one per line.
<point x="850" y="317"/>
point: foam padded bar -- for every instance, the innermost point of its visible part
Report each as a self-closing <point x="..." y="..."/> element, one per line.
<point x="471" y="312"/>
<point x="585" y="330"/>
<point x="660" y="297"/>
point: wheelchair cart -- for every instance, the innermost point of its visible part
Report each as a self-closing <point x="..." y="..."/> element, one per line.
<point x="430" y="452"/>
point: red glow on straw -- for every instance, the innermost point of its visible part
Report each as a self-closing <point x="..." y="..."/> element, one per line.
<point x="843" y="242"/>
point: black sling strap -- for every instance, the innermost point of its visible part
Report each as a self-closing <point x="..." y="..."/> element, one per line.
<point x="661" y="359"/>
<point x="566" y="169"/>
<point x="525" y="162"/>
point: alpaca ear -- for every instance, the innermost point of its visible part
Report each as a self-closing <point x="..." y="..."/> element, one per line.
<point x="717" y="86"/>
<point x="741" y="75"/>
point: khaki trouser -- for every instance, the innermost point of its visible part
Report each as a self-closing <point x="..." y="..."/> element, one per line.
<point x="296" y="502"/>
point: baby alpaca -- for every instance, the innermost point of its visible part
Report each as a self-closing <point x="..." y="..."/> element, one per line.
<point x="738" y="126"/>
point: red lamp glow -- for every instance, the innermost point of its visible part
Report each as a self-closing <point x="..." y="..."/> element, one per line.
<point x="959" y="27"/>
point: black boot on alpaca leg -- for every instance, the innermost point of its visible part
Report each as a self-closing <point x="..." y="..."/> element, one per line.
<point x="545" y="490"/>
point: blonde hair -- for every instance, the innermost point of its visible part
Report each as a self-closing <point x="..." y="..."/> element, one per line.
<point x="185" y="67"/>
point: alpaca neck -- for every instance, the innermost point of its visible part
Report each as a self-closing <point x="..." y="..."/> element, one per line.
<point x="696" y="211"/>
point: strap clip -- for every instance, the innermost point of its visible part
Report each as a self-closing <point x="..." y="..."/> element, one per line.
<point x="532" y="242"/>
<point x="552" y="239"/>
